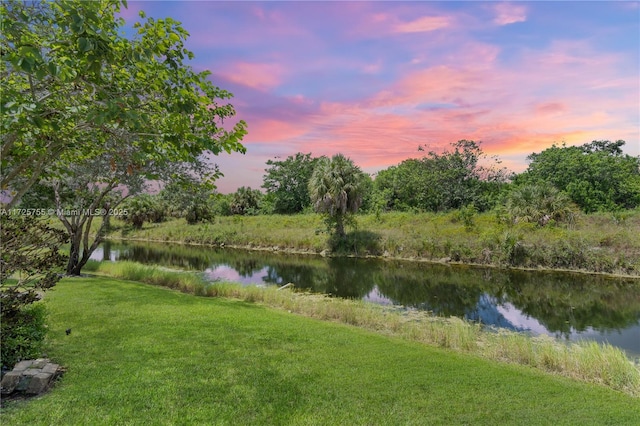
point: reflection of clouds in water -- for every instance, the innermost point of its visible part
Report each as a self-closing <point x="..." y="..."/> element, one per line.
<point x="98" y="254"/>
<point x="627" y="339"/>
<point x="374" y="296"/>
<point x="519" y="320"/>
<point x="227" y="273"/>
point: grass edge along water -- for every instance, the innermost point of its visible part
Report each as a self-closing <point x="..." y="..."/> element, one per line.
<point x="584" y="361"/>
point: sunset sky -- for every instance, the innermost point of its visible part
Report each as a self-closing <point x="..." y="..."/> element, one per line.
<point x="374" y="80"/>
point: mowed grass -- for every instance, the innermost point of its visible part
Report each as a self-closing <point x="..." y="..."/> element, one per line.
<point x="140" y="354"/>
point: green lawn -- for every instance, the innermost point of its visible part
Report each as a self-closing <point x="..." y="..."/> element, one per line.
<point x="140" y="354"/>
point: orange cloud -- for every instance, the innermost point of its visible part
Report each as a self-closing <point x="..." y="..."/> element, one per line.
<point x="269" y="130"/>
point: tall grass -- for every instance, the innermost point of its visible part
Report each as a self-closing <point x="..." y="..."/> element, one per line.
<point x="589" y="362"/>
<point x="186" y="282"/>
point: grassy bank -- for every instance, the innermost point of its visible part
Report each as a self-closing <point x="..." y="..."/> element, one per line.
<point x="605" y="243"/>
<point x="587" y="362"/>
<point x="139" y="354"/>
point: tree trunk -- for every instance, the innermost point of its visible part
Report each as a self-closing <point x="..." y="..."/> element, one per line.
<point x="340" y="226"/>
<point x="74" y="253"/>
<point x="80" y="243"/>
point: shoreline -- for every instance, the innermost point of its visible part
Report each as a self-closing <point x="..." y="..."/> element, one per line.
<point x="444" y="261"/>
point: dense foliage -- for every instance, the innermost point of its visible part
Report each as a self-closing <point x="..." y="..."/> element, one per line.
<point x="287" y="183"/>
<point x="539" y="203"/>
<point x="245" y="201"/>
<point x="75" y="83"/>
<point x="30" y="263"/>
<point x="441" y="182"/>
<point x="597" y="175"/>
<point x="98" y="115"/>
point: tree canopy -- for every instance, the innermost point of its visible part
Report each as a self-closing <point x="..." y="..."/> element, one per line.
<point x="597" y="175"/>
<point x="287" y="182"/>
<point x="439" y="182"/>
<point x="72" y="82"/>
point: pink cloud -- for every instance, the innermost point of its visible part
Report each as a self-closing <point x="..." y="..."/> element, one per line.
<point x="516" y="103"/>
<point x="266" y="130"/>
<point x="547" y="108"/>
<point x="423" y="24"/>
<point x="506" y="107"/>
<point x="261" y="76"/>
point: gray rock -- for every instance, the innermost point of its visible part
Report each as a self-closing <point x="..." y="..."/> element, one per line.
<point x="30" y="377"/>
<point x="50" y="368"/>
<point x="39" y="363"/>
<point x="10" y="381"/>
<point x="39" y="383"/>
<point x="23" y="365"/>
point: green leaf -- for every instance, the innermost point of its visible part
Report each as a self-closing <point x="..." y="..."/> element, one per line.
<point x="54" y="69"/>
<point x="83" y="44"/>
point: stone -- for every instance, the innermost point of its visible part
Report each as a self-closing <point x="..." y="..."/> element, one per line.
<point x="50" y="368"/>
<point x="22" y="365"/>
<point x="30" y="372"/>
<point x="39" y="383"/>
<point x="30" y="377"/>
<point x="24" y="383"/>
<point x="10" y="381"/>
<point x="39" y="363"/>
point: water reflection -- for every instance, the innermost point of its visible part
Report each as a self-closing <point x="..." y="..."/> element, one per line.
<point x="570" y="306"/>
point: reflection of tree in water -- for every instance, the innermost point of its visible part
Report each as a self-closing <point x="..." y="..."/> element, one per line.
<point x="349" y="278"/>
<point x="441" y="289"/>
<point x="560" y="301"/>
<point x="335" y="276"/>
<point x="563" y="302"/>
<point x="300" y="275"/>
<point x="176" y="256"/>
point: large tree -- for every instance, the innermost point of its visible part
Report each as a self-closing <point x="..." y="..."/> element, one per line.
<point x="287" y="183"/>
<point x="72" y="82"/>
<point x="596" y="175"/>
<point x="336" y="187"/>
<point x="443" y="181"/>
<point x="100" y="113"/>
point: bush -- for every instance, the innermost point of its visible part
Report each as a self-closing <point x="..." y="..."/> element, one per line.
<point x="30" y="263"/>
<point x="199" y="212"/>
<point x="23" y="334"/>
<point x="540" y="203"/>
<point x="144" y="208"/>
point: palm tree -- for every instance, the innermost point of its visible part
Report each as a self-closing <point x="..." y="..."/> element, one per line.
<point x="336" y="189"/>
<point x="540" y="203"/>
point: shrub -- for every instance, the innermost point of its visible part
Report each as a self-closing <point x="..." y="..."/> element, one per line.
<point x="29" y="265"/>
<point x="23" y="334"/>
<point x="540" y="203"/>
<point x="145" y="208"/>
